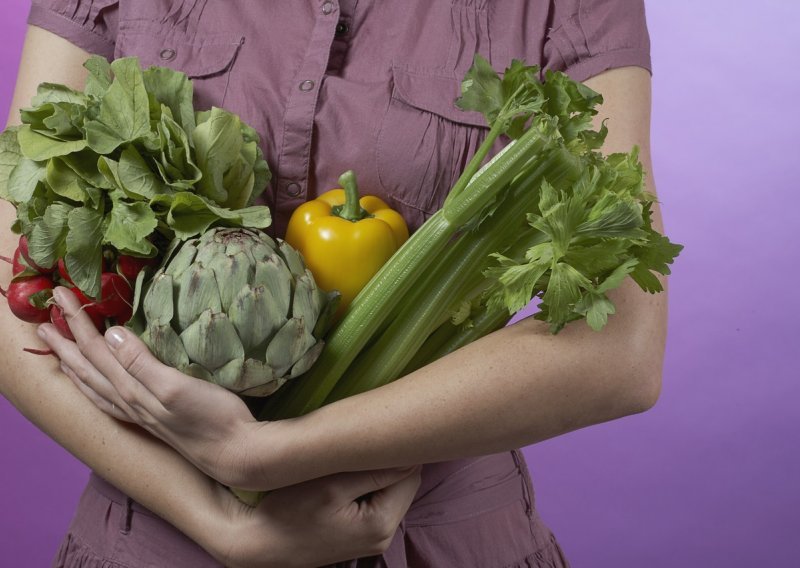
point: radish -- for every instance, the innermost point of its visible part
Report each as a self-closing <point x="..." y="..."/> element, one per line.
<point x="56" y="316"/>
<point x="19" y="298"/>
<point x="62" y="271"/>
<point x="131" y="266"/>
<point x="17" y="262"/>
<point x="116" y="297"/>
<point x="23" y="249"/>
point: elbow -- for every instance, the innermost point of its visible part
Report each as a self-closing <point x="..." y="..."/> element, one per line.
<point x="640" y="381"/>
<point x="645" y="391"/>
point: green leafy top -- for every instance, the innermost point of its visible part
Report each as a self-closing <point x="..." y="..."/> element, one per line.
<point x="577" y="241"/>
<point x="128" y="164"/>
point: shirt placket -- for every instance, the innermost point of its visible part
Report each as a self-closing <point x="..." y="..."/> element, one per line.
<point x="295" y="153"/>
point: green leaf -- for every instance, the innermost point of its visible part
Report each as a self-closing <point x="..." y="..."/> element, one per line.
<point x="129" y="226"/>
<point x="24" y="179"/>
<point x="596" y="308"/>
<point x="56" y="93"/>
<point x="482" y="90"/>
<point x="188" y="214"/>
<point x="512" y="99"/>
<point x="614" y="280"/>
<point x="177" y="167"/>
<point x="136" y="177"/>
<point x="217" y="141"/>
<point x="10" y="155"/>
<point x="174" y="90"/>
<point x="564" y="290"/>
<point x="63" y="121"/>
<point x="515" y="284"/>
<point x="100" y="76"/>
<point x="613" y="217"/>
<point x="124" y="114"/>
<point x="84" y="164"/>
<point x="47" y="242"/>
<point x="64" y="181"/>
<point x="38" y="147"/>
<point x="655" y="256"/>
<point x="84" y="258"/>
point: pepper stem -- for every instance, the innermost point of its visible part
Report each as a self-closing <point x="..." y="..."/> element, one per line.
<point x="351" y="210"/>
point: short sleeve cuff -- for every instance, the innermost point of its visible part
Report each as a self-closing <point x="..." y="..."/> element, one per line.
<point x="589" y="67"/>
<point x="71" y="31"/>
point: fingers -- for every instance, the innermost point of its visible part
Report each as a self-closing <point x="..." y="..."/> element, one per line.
<point x="95" y="348"/>
<point x="389" y="505"/>
<point x="81" y="371"/>
<point x="359" y="483"/>
<point x="101" y="403"/>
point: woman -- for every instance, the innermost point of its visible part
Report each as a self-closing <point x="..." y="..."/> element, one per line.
<point x="332" y="86"/>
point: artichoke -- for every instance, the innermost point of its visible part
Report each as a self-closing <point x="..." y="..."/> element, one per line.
<point x="236" y="308"/>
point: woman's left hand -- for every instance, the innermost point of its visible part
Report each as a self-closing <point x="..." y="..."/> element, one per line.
<point x="209" y="425"/>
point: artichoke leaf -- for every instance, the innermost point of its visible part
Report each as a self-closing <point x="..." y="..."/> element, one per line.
<point x="198" y="291"/>
<point x="211" y="341"/>
<point x="291" y="341"/>
<point x="256" y="318"/>
<point x="307" y="360"/>
<point x="165" y="345"/>
<point x="158" y="302"/>
<point x="275" y="277"/>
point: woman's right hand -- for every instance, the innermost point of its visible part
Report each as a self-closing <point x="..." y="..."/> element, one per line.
<point x="319" y="522"/>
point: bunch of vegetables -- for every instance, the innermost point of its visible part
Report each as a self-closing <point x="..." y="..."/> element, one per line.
<point x="125" y="176"/>
<point x="549" y="218"/>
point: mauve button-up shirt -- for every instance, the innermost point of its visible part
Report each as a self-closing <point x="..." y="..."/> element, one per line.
<point x="332" y="85"/>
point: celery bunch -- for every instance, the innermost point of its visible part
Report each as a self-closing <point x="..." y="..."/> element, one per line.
<point x="549" y="217"/>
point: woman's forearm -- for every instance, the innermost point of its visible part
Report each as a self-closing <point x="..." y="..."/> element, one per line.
<point x="514" y="387"/>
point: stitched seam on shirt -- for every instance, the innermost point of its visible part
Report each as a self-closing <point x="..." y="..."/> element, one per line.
<point x="460" y="518"/>
<point x="77" y="25"/>
<point x="600" y="56"/>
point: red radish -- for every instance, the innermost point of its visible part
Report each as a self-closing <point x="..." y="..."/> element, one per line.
<point x="23" y="249"/>
<point x="17" y="263"/>
<point x="62" y="271"/>
<point x="131" y="266"/>
<point x="19" y="293"/>
<point x="116" y="297"/>
<point x="60" y="322"/>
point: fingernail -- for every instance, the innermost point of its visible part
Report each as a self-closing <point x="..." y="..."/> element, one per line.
<point x="41" y="332"/>
<point x="58" y="295"/>
<point x="114" y="337"/>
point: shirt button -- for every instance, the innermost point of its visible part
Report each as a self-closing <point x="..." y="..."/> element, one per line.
<point x="327" y="8"/>
<point x="167" y="54"/>
<point x="306" y="85"/>
<point x="293" y="189"/>
<point x="341" y="29"/>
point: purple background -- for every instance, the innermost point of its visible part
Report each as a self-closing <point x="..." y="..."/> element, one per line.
<point x="710" y="476"/>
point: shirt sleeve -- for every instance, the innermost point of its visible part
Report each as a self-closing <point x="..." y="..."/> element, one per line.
<point x="89" y="24"/>
<point x="587" y="37"/>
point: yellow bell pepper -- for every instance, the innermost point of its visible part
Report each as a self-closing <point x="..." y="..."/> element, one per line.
<point x="344" y="239"/>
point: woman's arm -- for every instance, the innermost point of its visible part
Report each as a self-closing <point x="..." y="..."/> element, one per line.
<point x="324" y="510"/>
<point x="517" y="386"/>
